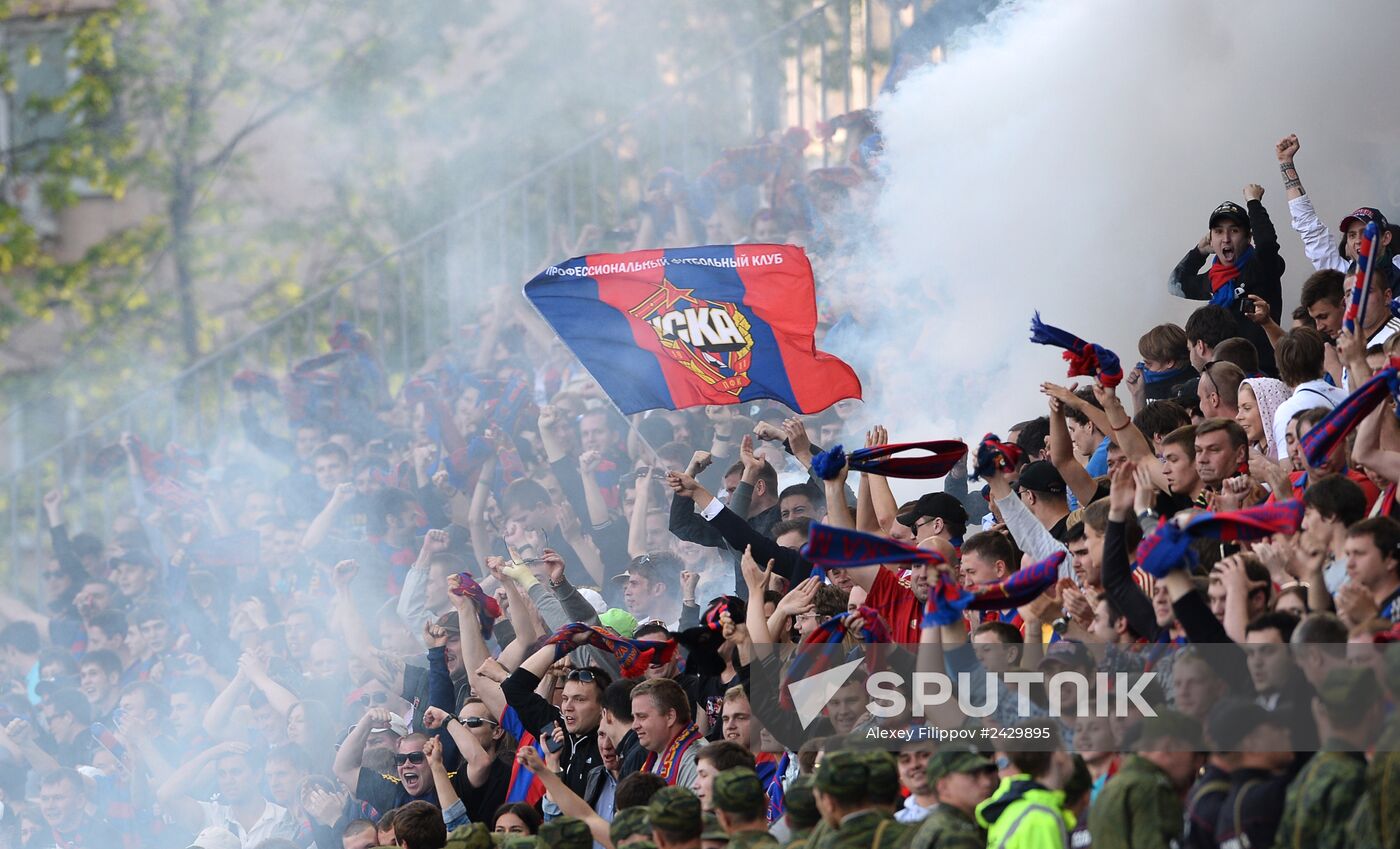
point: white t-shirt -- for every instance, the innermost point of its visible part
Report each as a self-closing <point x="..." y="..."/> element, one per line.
<point x="276" y="821"/>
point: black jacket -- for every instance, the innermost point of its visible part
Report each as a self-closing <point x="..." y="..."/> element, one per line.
<point x="580" y="750"/>
<point x="1261" y="276"/>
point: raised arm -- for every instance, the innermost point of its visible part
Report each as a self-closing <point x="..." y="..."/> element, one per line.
<point x="570" y="803"/>
<point x="172" y="793"/>
<point x="352" y="748"/>
<point x="882" y="498"/>
<point x="476" y="759"/>
<point x="1077" y="478"/>
<point x="320" y="527"/>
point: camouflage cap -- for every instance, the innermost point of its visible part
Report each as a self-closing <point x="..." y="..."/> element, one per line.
<point x="521" y="841"/>
<point x="630" y="822"/>
<point x="471" y="836"/>
<point x="800" y="804"/>
<point x="884" y="776"/>
<point x="676" y="810"/>
<point x="713" y="830"/>
<point x="566" y="833"/>
<point x="843" y="775"/>
<point x="949" y="762"/>
<point x="1349" y="687"/>
<point x="737" y="790"/>
<point x="1171" y="724"/>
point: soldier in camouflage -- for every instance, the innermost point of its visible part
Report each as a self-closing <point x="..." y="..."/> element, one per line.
<point x="676" y="821"/>
<point x="630" y="825"/>
<point x="714" y="836"/>
<point x="843" y="795"/>
<point x="471" y="836"/>
<point x="1141" y="806"/>
<point x="1323" y="796"/>
<point x="1376" y="822"/>
<point x="566" y="833"/>
<point x="959" y="780"/>
<point x="801" y="813"/>
<point x="742" y="806"/>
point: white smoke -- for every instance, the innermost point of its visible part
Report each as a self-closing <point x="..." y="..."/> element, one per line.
<point x="1067" y="156"/>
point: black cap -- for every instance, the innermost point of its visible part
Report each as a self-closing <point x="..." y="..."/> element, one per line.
<point x="1230" y="211"/>
<point x="1232" y="719"/>
<point x="936" y="505"/>
<point x="1365" y="215"/>
<point x="1041" y="476"/>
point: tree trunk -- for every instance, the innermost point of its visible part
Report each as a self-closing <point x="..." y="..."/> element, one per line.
<point x="182" y="249"/>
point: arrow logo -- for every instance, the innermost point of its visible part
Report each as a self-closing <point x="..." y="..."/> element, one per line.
<point x="811" y="694"/>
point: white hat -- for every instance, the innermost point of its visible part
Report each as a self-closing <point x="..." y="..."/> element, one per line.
<point x="397" y="724"/>
<point x="216" y="837"/>
<point x="594" y="598"/>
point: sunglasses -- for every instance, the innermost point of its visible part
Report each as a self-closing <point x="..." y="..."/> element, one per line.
<point x="478" y="721"/>
<point x="586" y="676"/>
<point x="410" y="758"/>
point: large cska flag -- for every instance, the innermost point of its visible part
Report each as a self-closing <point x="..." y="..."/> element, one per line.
<point x="685" y="327"/>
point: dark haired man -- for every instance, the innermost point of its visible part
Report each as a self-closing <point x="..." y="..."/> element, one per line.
<point x="1221" y="447"/>
<point x="242" y="808"/>
<point x="1239" y="268"/>
<point x="650" y="588"/>
<point x="577" y="717"/>
<point x="1324" y="298"/>
<point x="1373" y="565"/>
<point x="1206" y="328"/>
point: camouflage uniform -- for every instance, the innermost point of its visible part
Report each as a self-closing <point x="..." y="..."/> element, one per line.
<point x="566" y="833"/>
<point x="1376" y="822"/>
<point x="740" y="795"/>
<point x="1323" y="796"/>
<point x="676" y="810"/>
<point x="884" y="777"/>
<point x="629" y="822"/>
<point x="471" y="836"/>
<point x="846" y="776"/>
<point x="947" y="827"/>
<point x="713" y="830"/>
<point x="802" y="814"/>
<point x="1139" y="806"/>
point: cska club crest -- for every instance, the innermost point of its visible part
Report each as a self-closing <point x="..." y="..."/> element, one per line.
<point x="712" y="339"/>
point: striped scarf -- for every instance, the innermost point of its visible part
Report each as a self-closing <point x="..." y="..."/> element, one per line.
<point x="488" y="610"/>
<point x="1084" y="358"/>
<point x="1170" y="547"/>
<point x="994" y="455"/>
<point x="1327" y="434"/>
<point x="947" y="601"/>
<point x="667" y="763"/>
<point x="842" y="548"/>
<point x="944" y="454"/>
<point x="634" y="656"/>
<point x="820" y="650"/>
<point x="1222" y="278"/>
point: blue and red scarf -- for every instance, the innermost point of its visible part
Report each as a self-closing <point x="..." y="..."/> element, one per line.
<point x="1170" y="547"/>
<point x="811" y="659"/>
<point x="1222" y="278"/>
<point x="488" y="610"/>
<point x="1355" y="315"/>
<point x="994" y="455"/>
<point x="1084" y="358"/>
<point x="1319" y="442"/>
<point x="947" y="599"/>
<point x="667" y="763"/>
<point x="842" y="548"/>
<point x="943" y="455"/>
<point x="634" y="656"/>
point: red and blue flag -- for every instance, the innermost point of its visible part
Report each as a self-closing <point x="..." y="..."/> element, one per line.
<point x="686" y="327"/>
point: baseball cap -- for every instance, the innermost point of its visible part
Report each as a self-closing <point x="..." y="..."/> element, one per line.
<point x="1232" y="719"/>
<point x="713" y="830"/>
<point x="1069" y="653"/>
<point x="935" y="505"/>
<point x="629" y="822"/>
<point x="661" y="568"/>
<point x="1365" y="215"/>
<point x="676" y="809"/>
<point x="619" y="620"/>
<point x="1230" y="211"/>
<point x="216" y="837"/>
<point x="566" y="833"/>
<point x="737" y="790"/>
<point x="594" y="598"/>
<point x="948" y="762"/>
<point x="1041" y="476"/>
<point x="450" y="623"/>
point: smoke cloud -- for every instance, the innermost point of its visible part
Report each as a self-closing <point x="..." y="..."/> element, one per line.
<point x="1067" y="155"/>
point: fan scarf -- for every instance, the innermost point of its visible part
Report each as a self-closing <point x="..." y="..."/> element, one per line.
<point x="1170" y="547"/>
<point x="1356" y="307"/>
<point x="1222" y="278"/>
<point x="947" y="599"/>
<point x="1151" y="377"/>
<point x="814" y="661"/>
<point x="634" y="656"/>
<point x="1319" y="442"/>
<point x="488" y="610"/>
<point x="1084" y="358"/>
<point x="993" y="455"/>
<point x="667" y="763"/>
<point x="843" y="548"/>
<point x="944" y="454"/>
